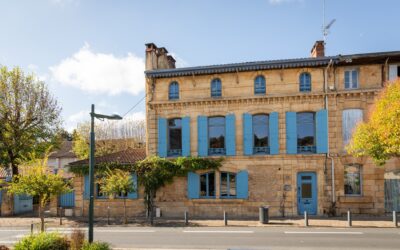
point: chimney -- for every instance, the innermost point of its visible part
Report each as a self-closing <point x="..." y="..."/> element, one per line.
<point x="158" y="58"/>
<point x="318" y="50"/>
<point x="162" y="58"/>
<point x="151" y="56"/>
<point x="171" y="62"/>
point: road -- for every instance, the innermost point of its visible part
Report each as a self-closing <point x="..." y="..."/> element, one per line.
<point x="243" y="238"/>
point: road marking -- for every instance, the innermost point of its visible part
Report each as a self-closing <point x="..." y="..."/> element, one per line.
<point x="123" y="231"/>
<point x="223" y="232"/>
<point x="298" y="232"/>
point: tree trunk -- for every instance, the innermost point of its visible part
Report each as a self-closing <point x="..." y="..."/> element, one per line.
<point x="151" y="209"/>
<point x="41" y="215"/>
<point x="125" y="219"/>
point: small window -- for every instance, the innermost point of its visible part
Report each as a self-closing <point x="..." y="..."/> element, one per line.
<point x="216" y="88"/>
<point x="260" y="134"/>
<point x="352" y="180"/>
<point x="175" y="137"/>
<point x="305" y="82"/>
<point x="99" y="192"/>
<point x="306" y="132"/>
<point x="350" y="119"/>
<point x="351" y="79"/>
<point x="259" y="85"/>
<point x="228" y="185"/>
<point x="216" y="135"/>
<point x="207" y="185"/>
<point x="173" y="91"/>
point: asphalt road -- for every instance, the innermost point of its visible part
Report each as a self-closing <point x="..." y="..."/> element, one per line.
<point x="243" y="238"/>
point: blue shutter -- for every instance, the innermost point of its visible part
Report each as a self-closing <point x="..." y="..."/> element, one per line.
<point x="242" y="189"/>
<point x="86" y="187"/>
<point x="134" y="194"/>
<point x="230" y="133"/>
<point x="291" y="133"/>
<point x="247" y="134"/>
<point x="193" y="185"/>
<point x="202" y="136"/>
<point x="162" y="137"/>
<point x="274" y="133"/>
<point x="322" y="131"/>
<point x="186" y="136"/>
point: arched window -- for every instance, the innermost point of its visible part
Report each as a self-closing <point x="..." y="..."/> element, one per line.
<point x="306" y="132"/>
<point x="216" y="135"/>
<point x="175" y="137"/>
<point x="260" y="134"/>
<point x="259" y="85"/>
<point x="173" y="93"/>
<point x="305" y="82"/>
<point x="216" y="88"/>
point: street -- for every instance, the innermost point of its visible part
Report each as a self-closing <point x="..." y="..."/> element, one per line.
<point x="233" y="237"/>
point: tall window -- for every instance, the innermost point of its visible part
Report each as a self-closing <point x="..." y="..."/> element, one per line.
<point x="351" y="79"/>
<point x="207" y="185"/>
<point x="350" y="119"/>
<point x="305" y="82"/>
<point x="174" y="137"/>
<point x="99" y="192"/>
<point x="216" y="135"/>
<point x="260" y="134"/>
<point x="306" y="132"/>
<point x="259" y="85"/>
<point x="173" y="93"/>
<point x="228" y="185"/>
<point x="352" y="179"/>
<point x="216" y="88"/>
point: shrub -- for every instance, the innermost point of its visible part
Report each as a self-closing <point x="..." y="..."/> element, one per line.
<point x="77" y="238"/>
<point x="96" y="246"/>
<point x="43" y="241"/>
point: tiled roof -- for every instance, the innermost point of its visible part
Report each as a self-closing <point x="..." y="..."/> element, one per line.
<point x="128" y="156"/>
<point x="65" y="151"/>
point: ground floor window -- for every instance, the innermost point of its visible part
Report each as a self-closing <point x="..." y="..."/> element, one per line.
<point x="207" y="185"/>
<point x="228" y="185"/>
<point x="99" y="192"/>
<point x="352" y="179"/>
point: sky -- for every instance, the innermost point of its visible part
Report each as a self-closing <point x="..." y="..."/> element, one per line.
<point x="91" y="51"/>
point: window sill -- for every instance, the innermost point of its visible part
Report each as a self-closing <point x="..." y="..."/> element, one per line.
<point x="217" y="200"/>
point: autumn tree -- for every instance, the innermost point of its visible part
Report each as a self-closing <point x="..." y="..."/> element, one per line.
<point x="29" y="117"/>
<point x="379" y="137"/>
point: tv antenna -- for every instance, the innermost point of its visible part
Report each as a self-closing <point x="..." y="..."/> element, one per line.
<point x="325" y="28"/>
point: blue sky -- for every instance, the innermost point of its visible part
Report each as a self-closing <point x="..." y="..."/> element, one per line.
<point x="93" y="51"/>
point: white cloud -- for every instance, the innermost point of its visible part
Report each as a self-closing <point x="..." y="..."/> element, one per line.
<point x="180" y="62"/>
<point x="135" y="116"/>
<point x="35" y="70"/>
<point x="276" y="2"/>
<point x="100" y="73"/>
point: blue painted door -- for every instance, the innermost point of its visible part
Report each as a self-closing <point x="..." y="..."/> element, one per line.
<point x="23" y="204"/>
<point x="67" y="199"/>
<point x="307" y="193"/>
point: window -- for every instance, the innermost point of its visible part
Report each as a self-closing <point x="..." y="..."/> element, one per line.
<point x="350" y="119"/>
<point x="99" y="193"/>
<point x="305" y="82"/>
<point x="175" y="137"/>
<point x="306" y="132"/>
<point x="260" y="134"/>
<point x="228" y="185"/>
<point x="352" y="180"/>
<point x="216" y="135"/>
<point x="216" y="88"/>
<point x="259" y="85"/>
<point x="394" y="72"/>
<point x="173" y="91"/>
<point x="351" y="79"/>
<point x="207" y="185"/>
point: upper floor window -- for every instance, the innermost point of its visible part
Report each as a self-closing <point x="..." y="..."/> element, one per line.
<point x="306" y="132"/>
<point x="228" y="185"/>
<point x="260" y="134"/>
<point x="216" y="88"/>
<point x="173" y="93"/>
<point x="175" y="137"/>
<point x="216" y="135"/>
<point x="350" y="119"/>
<point x="207" y="185"/>
<point x="305" y="82"/>
<point x="352" y="179"/>
<point x="351" y="79"/>
<point x="259" y="85"/>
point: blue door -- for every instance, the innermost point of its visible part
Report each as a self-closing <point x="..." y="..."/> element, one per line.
<point x="307" y="193"/>
<point x="23" y="204"/>
<point x="67" y="200"/>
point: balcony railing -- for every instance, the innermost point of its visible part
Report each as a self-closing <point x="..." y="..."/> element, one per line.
<point x="306" y="149"/>
<point x="175" y="152"/>
<point x="216" y="151"/>
<point x="260" y="150"/>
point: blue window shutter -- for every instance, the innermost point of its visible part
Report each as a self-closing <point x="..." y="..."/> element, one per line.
<point x="247" y="134"/>
<point x="134" y="194"/>
<point x="186" y="136"/>
<point x="193" y="185"/>
<point x="274" y="133"/>
<point x="230" y="132"/>
<point x="202" y="136"/>
<point x="242" y="188"/>
<point x="291" y="133"/>
<point x="162" y="137"/>
<point x="86" y="187"/>
<point x="322" y="131"/>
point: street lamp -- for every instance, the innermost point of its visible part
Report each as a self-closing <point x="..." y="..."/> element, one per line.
<point x="91" y="165"/>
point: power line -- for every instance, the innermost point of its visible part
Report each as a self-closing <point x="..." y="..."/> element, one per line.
<point x="134" y="106"/>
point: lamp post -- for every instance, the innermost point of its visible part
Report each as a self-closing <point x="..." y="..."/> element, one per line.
<point x="91" y="165"/>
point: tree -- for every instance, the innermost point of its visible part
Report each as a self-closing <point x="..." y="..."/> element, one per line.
<point x="117" y="183"/>
<point x="29" y="117"/>
<point x="39" y="181"/>
<point x="379" y="137"/>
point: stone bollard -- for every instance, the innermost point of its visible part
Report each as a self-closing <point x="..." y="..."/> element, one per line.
<point x="305" y="219"/>
<point x="225" y="218"/>
<point x="186" y="218"/>
<point x="395" y="218"/>
<point x="61" y="209"/>
<point x="32" y="228"/>
<point x="349" y="220"/>
<point x="108" y="215"/>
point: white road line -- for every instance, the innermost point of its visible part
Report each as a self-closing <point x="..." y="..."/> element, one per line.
<point x="223" y="232"/>
<point x="123" y="231"/>
<point x="297" y="232"/>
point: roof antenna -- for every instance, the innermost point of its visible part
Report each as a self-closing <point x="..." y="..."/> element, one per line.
<point x="325" y="28"/>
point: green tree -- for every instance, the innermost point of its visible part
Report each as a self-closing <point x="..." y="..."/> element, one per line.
<point x="117" y="183"/>
<point x="29" y="117"/>
<point x="379" y="137"/>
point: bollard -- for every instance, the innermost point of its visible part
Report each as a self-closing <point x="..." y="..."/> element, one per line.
<point x="349" y="222"/>
<point x="32" y="228"/>
<point x="395" y="218"/>
<point x="186" y="218"/>
<point x="61" y="215"/>
<point x="108" y="215"/>
<point x="305" y="219"/>
<point x="225" y="218"/>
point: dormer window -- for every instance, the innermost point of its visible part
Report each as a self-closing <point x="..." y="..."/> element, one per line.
<point x="173" y="93"/>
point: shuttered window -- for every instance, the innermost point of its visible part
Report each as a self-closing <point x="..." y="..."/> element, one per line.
<point x="173" y="93"/>
<point x="228" y="185"/>
<point x="216" y="135"/>
<point x="350" y="119"/>
<point x="260" y="134"/>
<point x="305" y="82"/>
<point x="207" y="185"/>
<point x="216" y="88"/>
<point x="259" y="85"/>
<point x="175" y="137"/>
<point x="305" y="132"/>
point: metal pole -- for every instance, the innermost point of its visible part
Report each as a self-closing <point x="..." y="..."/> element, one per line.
<point x="349" y="222"/>
<point x="32" y="228"/>
<point x="186" y="218"/>
<point x="91" y="176"/>
<point x="395" y="218"/>
<point x="305" y="219"/>
<point x="225" y="218"/>
<point x="60" y="216"/>
<point x="108" y="215"/>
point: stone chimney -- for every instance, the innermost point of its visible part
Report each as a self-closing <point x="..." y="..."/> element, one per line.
<point x="151" y="56"/>
<point x="158" y="58"/>
<point x="318" y="50"/>
<point x="171" y="62"/>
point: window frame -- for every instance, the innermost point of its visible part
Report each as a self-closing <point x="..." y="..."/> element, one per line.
<point x="208" y="186"/>
<point x="309" y="149"/>
<point x="216" y="93"/>
<point x="173" y="95"/>
<point x="345" y="143"/>
<point x="267" y="148"/>
<point x="98" y="190"/>
<point x="262" y="90"/>
<point x="305" y="89"/>
<point x="173" y="152"/>
<point x="228" y="175"/>
<point x="360" y="173"/>
<point x="351" y="80"/>
<point x="217" y="151"/>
